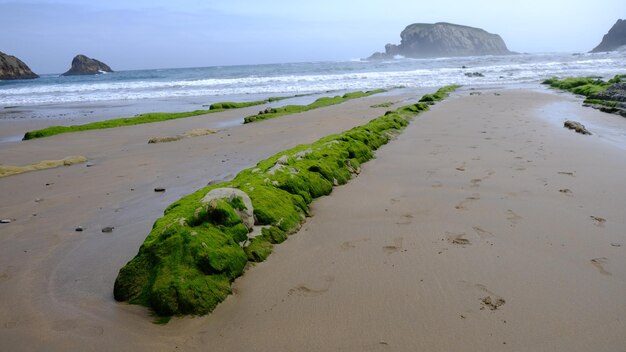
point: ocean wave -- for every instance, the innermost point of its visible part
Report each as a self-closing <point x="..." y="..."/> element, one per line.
<point x="313" y="77"/>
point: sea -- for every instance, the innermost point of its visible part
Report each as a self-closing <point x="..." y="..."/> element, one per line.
<point x="127" y="93"/>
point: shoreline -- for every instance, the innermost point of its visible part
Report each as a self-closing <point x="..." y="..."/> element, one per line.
<point x="316" y="284"/>
<point x="21" y="119"/>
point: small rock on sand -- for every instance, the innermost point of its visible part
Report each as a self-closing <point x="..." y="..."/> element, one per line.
<point x="576" y="126"/>
<point x="5" y="221"/>
<point x="80" y="229"/>
<point x="159" y="189"/>
<point x="108" y="229"/>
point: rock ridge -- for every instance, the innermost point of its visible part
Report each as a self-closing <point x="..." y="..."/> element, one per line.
<point x="441" y="39"/>
<point x="13" y="68"/>
<point x="615" y="39"/>
<point x="82" y="65"/>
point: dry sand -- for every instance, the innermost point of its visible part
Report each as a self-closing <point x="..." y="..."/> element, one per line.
<point x="484" y="226"/>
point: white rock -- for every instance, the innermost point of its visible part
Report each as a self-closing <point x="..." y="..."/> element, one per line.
<point x="246" y="215"/>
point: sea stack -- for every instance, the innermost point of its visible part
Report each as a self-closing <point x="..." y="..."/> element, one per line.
<point x="13" y="68"/>
<point x="424" y="40"/>
<point x="82" y="65"/>
<point x="615" y="39"/>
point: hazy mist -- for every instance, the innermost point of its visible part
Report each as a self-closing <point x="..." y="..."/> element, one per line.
<point x="165" y="34"/>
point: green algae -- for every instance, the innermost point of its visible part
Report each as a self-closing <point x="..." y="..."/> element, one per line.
<point x="143" y="118"/>
<point x="586" y="86"/>
<point x="194" y="252"/>
<point x="319" y="103"/>
<point x="592" y="88"/>
<point x="438" y="95"/>
<point x="383" y="105"/>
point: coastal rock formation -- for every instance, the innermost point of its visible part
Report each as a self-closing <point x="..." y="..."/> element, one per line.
<point x="13" y="68"/>
<point x="612" y="100"/>
<point x="576" y="126"/>
<point x="422" y="40"/>
<point x="244" y="209"/>
<point x="82" y="65"/>
<point x="615" y="39"/>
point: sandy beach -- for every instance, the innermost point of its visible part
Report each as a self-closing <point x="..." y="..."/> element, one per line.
<point x="484" y="226"/>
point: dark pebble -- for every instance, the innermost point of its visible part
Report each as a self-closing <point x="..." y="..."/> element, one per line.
<point x="80" y="229"/>
<point x="108" y="229"/>
<point x="159" y="189"/>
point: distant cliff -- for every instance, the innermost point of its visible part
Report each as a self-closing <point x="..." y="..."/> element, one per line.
<point x="13" y="68"/>
<point x="82" y="65"/>
<point x="614" y="39"/>
<point x="422" y="40"/>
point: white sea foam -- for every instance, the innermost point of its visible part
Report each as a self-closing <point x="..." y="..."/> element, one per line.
<point x="314" y="77"/>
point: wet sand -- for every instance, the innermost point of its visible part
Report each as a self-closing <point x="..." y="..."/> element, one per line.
<point x="484" y="226"/>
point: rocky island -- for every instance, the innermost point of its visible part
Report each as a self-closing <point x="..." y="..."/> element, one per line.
<point x="423" y="40"/>
<point x="615" y="39"/>
<point x="82" y="65"/>
<point x="13" y="68"/>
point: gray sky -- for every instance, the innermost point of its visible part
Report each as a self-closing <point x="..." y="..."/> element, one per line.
<point x="137" y="34"/>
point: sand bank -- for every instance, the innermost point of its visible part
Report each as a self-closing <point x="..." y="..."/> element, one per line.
<point x="484" y="226"/>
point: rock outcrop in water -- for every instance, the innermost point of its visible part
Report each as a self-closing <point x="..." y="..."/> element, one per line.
<point x="13" y="68"/>
<point x="615" y="39"/>
<point x="424" y="40"/>
<point x="82" y="65"/>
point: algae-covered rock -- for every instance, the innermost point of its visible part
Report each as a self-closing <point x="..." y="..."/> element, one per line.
<point x="576" y="126"/>
<point x="240" y="199"/>
<point x="194" y="252"/>
<point x="609" y="96"/>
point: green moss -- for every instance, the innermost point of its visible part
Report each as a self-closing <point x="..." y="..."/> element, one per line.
<point x="586" y="86"/>
<point x="143" y="118"/>
<point x="259" y="249"/>
<point x="383" y="105"/>
<point x="273" y="234"/>
<point x="590" y="87"/>
<point x="321" y="102"/>
<point x="193" y="253"/>
<point x="608" y="103"/>
<point x="438" y="96"/>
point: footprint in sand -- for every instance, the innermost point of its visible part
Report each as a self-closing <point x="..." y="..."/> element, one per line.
<point x="482" y="233"/>
<point x="396" y="247"/>
<point x="512" y="217"/>
<point x="568" y="173"/>
<point x="437" y="184"/>
<point x="458" y="239"/>
<point x="304" y="290"/>
<point x="492" y="301"/>
<point x="463" y="204"/>
<point x="599" y="264"/>
<point x="6" y="274"/>
<point x="461" y="168"/>
<point x="405" y="219"/>
<point x="566" y="191"/>
<point x="475" y="183"/>
<point x="430" y="173"/>
<point x="345" y="246"/>
<point x="598" y="221"/>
